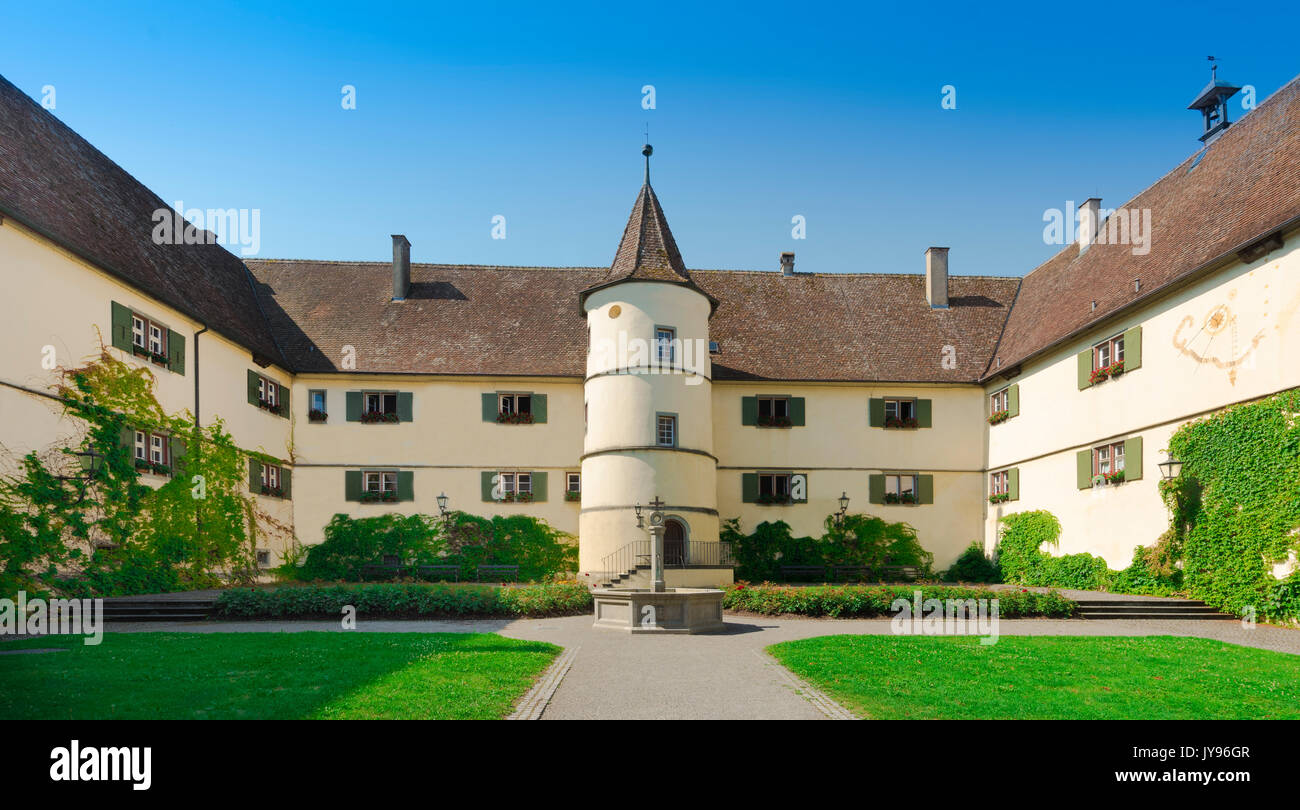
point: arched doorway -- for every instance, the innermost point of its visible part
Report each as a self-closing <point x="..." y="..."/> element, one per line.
<point x="674" y="542"/>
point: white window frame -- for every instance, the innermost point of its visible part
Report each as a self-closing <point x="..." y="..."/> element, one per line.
<point x="508" y="404"/>
<point x="898" y="403"/>
<point x="139" y="331"/>
<point x="1108" y="458"/>
<point x="999" y="483"/>
<point x="516" y="483"/>
<point x="670" y="421"/>
<point x="1000" y="400"/>
<point x="386" y="481"/>
<point x="1112" y="348"/>
<point x="772" y="402"/>
<point x="142" y="445"/>
<point x="665" y="337"/>
<point x="894" y="484"/>
<point x="381" y="398"/>
<point x="778" y="484"/>
<point x="572" y="479"/>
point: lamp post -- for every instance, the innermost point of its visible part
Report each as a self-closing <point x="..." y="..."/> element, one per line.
<point x="1171" y="467"/>
<point x="442" y="504"/>
<point x="640" y="523"/>
<point x="657" y="545"/>
<point x="844" y="508"/>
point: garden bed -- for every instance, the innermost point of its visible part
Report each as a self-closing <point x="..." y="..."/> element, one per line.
<point x="864" y="602"/>
<point x="404" y="601"/>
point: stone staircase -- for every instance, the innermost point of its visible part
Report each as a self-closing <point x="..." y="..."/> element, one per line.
<point x="158" y="609"/>
<point x="1180" y="609"/>
<point x="638" y="577"/>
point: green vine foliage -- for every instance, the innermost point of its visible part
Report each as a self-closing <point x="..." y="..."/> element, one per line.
<point x="1237" y="505"/>
<point x="862" y="540"/>
<point x="82" y="530"/>
<point x="468" y="541"/>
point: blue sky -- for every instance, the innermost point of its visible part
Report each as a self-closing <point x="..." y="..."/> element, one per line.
<point x="763" y="111"/>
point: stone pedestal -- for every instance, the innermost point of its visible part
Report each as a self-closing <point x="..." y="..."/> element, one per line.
<point x="674" y="610"/>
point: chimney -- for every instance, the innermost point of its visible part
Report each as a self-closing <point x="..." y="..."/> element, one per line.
<point x="936" y="277"/>
<point x="1089" y="222"/>
<point x="401" y="267"/>
<point x="787" y="263"/>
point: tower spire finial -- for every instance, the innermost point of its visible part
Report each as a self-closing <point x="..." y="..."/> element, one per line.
<point x="647" y="150"/>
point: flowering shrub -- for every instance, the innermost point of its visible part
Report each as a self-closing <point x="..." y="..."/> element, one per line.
<point x="405" y="600"/>
<point x="859" y="601"/>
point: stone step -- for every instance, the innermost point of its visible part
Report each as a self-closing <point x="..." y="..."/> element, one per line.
<point x="155" y="617"/>
<point x="1211" y="617"/>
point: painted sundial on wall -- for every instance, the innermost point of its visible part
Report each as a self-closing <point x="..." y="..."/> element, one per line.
<point x="1217" y="341"/>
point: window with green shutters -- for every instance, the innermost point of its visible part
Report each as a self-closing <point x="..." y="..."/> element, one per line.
<point x="774" y="488"/>
<point x="378" y="407"/>
<point x="514" y="408"/>
<point x="1004" y="404"/>
<point x="266" y="477"/>
<point x="900" y="412"/>
<point x="1112" y="357"/>
<point x="513" y="486"/>
<point x="772" y="411"/>
<point x="268" y="394"/>
<point x="379" y="486"/>
<point x="1110" y="463"/>
<point x="903" y="488"/>
<point x="1004" y="485"/>
<point x="139" y="335"/>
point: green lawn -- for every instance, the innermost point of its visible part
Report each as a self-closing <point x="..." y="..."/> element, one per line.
<point x="1157" y="677"/>
<point x="271" y="675"/>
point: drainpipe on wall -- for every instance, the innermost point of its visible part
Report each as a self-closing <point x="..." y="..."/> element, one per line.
<point x="198" y="427"/>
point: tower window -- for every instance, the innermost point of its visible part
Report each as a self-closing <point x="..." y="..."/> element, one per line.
<point x="666" y="431"/>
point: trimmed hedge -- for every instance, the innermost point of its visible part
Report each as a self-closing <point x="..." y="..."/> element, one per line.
<point x="407" y="601"/>
<point x="863" y="602"/>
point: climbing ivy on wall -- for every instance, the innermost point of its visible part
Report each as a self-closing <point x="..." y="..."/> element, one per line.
<point x="1237" y="505"/>
<point x="79" y="529"/>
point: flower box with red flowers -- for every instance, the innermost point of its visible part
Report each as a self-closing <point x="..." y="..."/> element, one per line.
<point x="998" y="417"/>
<point x="269" y="407"/>
<point x="370" y="496"/>
<point x="999" y="498"/>
<point x="1116" y="477"/>
<point x="378" y="417"/>
<point x="779" y="500"/>
<point x="518" y="497"/>
<point x="570" y="495"/>
<point x="1106" y="372"/>
<point x="274" y="492"/>
<point x="317" y="416"/>
<point x="905" y="498"/>
<point x="515" y="418"/>
<point x="897" y="422"/>
<point x="775" y="421"/>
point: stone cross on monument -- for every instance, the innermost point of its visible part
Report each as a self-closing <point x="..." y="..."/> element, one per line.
<point x="657" y="545"/>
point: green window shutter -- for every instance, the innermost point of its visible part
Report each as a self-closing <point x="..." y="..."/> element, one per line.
<point x="876" y="488"/>
<point x="807" y="488"/>
<point x="252" y="387"/>
<point x="876" y="413"/>
<point x="1013" y="484"/>
<point x="1083" y="468"/>
<point x="405" y="403"/>
<point x="127" y="437"/>
<point x="539" y="486"/>
<point x="749" y="487"/>
<point x="405" y="485"/>
<point x="352" y="485"/>
<point x="925" y="489"/>
<point x="485" y="482"/>
<point x="1085" y="368"/>
<point x="924" y="413"/>
<point x="352" y="406"/>
<point x="286" y="481"/>
<point x="1013" y="400"/>
<point x="1133" y="457"/>
<point x="1133" y="349"/>
<point x="254" y="475"/>
<point x="489" y="408"/>
<point x="797" y="411"/>
<point x="749" y="410"/>
<point x="178" y="454"/>
<point x="539" y="408"/>
<point x="285" y="391"/>
<point x="121" y="330"/>
<point x="176" y="351"/>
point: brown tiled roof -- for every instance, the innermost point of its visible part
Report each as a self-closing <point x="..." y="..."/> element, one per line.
<point x="55" y="183"/>
<point x="523" y="321"/>
<point x="647" y="251"/>
<point x="832" y="326"/>
<point x="1246" y="184"/>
